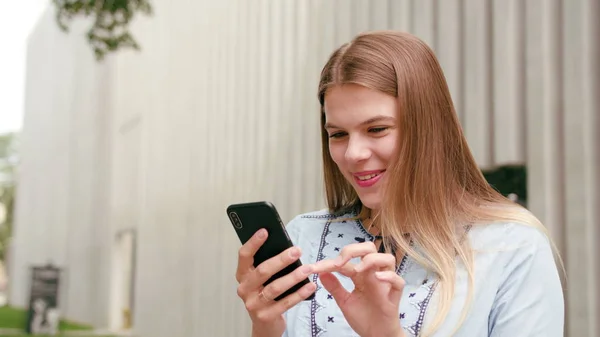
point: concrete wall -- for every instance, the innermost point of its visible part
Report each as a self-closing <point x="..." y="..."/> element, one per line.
<point x="62" y="211"/>
<point x="220" y="107"/>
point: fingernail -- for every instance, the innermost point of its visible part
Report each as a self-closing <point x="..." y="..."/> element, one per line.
<point x="262" y="233"/>
<point x="305" y="269"/>
<point x="338" y="261"/>
<point x="358" y="268"/>
<point x="295" y="253"/>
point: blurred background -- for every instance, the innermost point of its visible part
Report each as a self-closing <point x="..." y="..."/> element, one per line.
<point x="117" y="162"/>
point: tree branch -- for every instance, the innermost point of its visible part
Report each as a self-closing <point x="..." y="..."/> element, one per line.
<point x="110" y="30"/>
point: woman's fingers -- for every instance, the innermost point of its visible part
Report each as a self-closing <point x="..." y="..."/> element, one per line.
<point x="282" y="284"/>
<point x="335" y="288"/>
<point x="355" y="250"/>
<point x="392" y="278"/>
<point x="259" y="300"/>
<point x="382" y="265"/>
<point x="395" y="281"/>
<point x="341" y="264"/>
<point x="265" y="270"/>
<point x="370" y="258"/>
<point x="273" y="309"/>
<point x="378" y="261"/>
<point x="328" y="266"/>
<point x="246" y="253"/>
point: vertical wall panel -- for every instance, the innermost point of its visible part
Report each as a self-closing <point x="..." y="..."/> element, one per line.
<point x="592" y="110"/>
<point x="401" y="15"/>
<point x="264" y="69"/>
<point x="545" y="152"/>
<point x="231" y="79"/>
<point x="254" y="160"/>
<point x="425" y="26"/>
<point x="290" y="113"/>
<point x="27" y="209"/>
<point x="221" y="184"/>
<point x="242" y="119"/>
<point x="311" y="148"/>
<point x="277" y="99"/>
<point x="238" y="113"/>
<point x="229" y="240"/>
<point x="296" y="109"/>
<point x="450" y="48"/>
<point x="379" y="14"/>
<point x="361" y="15"/>
<point x="478" y="82"/>
<point x="169" y="202"/>
<point x="325" y="36"/>
<point x="101" y="211"/>
<point x="206" y="170"/>
<point x="578" y="262"/>
<point x="509" y="81"/>
<point x="58" y="156"/>
<point x="343" y="23"/>
<point x="180" y="173"/>
<point x="268" y="63"/>
<point x="250" y="96"/>
<point x="203" y="230"/>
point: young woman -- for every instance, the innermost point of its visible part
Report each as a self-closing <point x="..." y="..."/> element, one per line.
<point x="414" y="241"/>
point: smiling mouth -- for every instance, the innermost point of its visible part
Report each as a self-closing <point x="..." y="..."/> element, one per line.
<point x="367" y="179"/>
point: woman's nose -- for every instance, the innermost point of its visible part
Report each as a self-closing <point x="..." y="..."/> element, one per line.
<point x="357" y="150"/>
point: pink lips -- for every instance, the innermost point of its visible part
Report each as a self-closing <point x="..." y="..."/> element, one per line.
<point x="369" y="182"/>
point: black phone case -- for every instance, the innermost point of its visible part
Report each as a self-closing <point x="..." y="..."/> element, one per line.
<point x="247" y="219"/>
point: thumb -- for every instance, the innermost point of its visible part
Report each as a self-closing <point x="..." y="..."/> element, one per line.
<point x="335" y="288"/>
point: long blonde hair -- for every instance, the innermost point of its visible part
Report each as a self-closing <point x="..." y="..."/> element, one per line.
<point x="434" y="187"/>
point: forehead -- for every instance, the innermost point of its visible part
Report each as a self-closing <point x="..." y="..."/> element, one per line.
<point x="355" y="102"/>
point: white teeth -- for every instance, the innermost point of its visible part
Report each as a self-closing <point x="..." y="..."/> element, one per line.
<point x="367" y="177"/>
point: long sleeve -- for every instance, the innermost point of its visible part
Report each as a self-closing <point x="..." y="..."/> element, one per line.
<point x="530" y="300"/>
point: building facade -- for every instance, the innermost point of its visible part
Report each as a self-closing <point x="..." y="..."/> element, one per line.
<point x="128" y="165"/>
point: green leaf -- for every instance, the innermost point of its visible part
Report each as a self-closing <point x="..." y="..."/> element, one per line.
<point x="110" y="16"/>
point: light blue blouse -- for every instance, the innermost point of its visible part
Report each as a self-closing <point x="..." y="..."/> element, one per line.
<point x="517" y="287"/>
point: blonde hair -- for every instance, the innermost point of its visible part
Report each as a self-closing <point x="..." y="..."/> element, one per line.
<point x="434" y="188"/>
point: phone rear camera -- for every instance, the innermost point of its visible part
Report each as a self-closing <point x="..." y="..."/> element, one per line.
<point x="235" y="220"/>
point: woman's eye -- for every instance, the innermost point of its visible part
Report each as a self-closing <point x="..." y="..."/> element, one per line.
<point x="377" y="130"/>
<point x="337" y="135"/>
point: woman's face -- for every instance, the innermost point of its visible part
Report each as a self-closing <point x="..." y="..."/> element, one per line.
<point x="363" y="137"/>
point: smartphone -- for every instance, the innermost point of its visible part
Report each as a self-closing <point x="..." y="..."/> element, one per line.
<point x="247" y="219"/>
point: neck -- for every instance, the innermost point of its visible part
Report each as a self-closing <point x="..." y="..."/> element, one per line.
<point x="366" y="213"/>
<point x="370" y="220"/>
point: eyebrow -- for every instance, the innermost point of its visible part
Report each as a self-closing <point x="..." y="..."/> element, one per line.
<point x="368" y="121"/>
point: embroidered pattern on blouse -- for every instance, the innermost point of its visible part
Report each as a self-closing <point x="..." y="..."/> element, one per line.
<point x="329" y="215"/>
<point x="424" y="306"/>
<point x="314" y="305"/>
<point x="416" y="297"/>
<point x="321" y="216"/>
<point x="362" y="229"/>
<point x="402" y="267"/>
<point x="415" y="328"/>
<point x="419" y="297"/>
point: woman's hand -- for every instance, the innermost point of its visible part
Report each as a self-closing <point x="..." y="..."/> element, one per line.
<point x="371" y="309"/>
<point x="265" y="313"/>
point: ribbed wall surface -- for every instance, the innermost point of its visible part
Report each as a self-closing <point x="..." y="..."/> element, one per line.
<point x="220" y="107"/>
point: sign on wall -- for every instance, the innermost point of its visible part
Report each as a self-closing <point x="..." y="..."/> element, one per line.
<point x="43" y="316"/>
